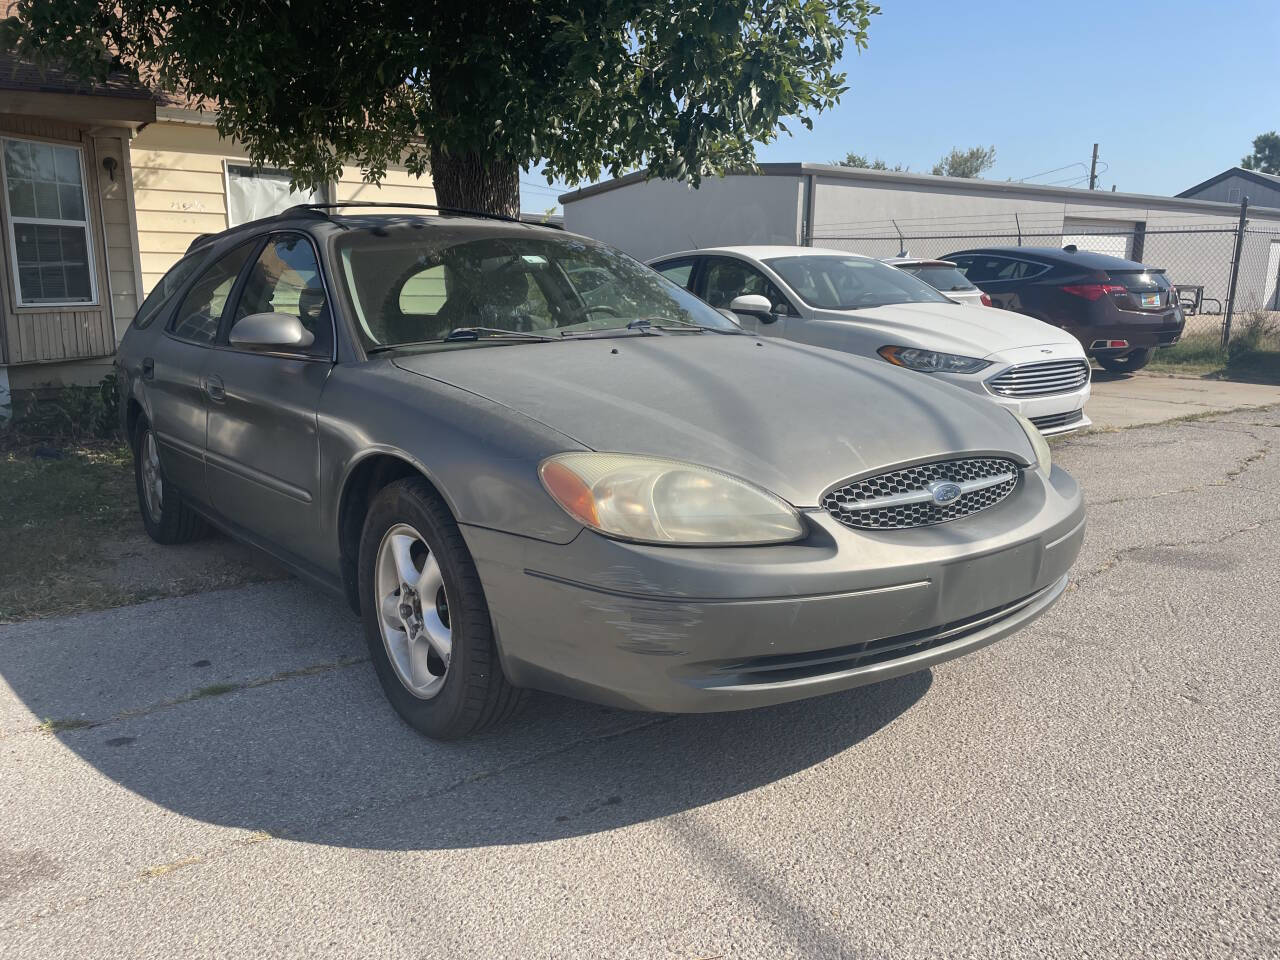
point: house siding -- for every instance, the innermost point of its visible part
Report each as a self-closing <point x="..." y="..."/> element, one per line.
<point x="1231" y="189"/>
<point x="180" y="190"/>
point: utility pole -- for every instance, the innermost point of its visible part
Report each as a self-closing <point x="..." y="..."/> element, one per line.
<point x="1093" y="169"/>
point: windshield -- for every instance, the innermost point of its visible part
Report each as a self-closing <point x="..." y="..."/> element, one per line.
<point x="939" y="276"/>
<point x="414" y="283"/>
<point x="851" y="283"/>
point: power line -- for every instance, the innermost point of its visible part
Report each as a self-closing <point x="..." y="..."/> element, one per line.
<point x="1045" y="173"/>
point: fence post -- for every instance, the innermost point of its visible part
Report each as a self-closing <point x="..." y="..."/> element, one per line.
<point x="1235" y="271"/>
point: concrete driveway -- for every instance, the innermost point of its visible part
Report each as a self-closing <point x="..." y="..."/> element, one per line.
<point x="221" y="777"/>
<point x="1121" y="400"/>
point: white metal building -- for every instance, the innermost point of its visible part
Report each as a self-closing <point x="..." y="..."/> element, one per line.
<point x="880" y="212"/>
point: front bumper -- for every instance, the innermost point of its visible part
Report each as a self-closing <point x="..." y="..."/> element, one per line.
<point x="698" y="629"/>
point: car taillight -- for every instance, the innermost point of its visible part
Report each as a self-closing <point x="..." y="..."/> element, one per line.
<point x="986" y="301"/>
<point x="1093" y="291"/>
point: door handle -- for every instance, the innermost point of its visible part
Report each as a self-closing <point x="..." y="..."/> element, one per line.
<point x="214" y="387"/>
<point x="148" y="368"/>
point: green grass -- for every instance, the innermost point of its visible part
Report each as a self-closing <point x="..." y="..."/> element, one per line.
<point x="1253" y="354"/>
<point x="54" y="517"/>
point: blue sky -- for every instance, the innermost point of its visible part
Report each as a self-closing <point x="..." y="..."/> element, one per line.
<point x="1173" y="92"/>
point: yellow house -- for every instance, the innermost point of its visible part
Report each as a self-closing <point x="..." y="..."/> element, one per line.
<point x="103" y="189"/>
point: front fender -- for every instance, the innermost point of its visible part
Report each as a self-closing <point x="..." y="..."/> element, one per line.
<point x="481" y="456"/>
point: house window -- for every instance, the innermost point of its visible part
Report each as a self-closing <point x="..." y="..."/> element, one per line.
<point x="48" y="224"/>
<point x="1233" y="194"/>
<point x="256" y="193"/>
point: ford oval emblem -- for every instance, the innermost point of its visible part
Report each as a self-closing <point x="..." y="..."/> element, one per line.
<point x="944" y="491"/>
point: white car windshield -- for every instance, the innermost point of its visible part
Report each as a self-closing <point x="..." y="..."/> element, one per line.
<point x="851" y="283"/>
<point x="412" y="283"/>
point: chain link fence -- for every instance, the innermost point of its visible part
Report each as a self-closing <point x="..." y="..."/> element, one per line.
<point x="1200" y="261"/>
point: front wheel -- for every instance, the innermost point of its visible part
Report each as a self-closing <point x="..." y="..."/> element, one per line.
<point x="165" y="514"/>
<point x="1129" y="363"/>
<point x="426" y="621"/>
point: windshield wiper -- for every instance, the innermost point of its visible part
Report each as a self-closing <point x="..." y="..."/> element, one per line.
<point x="462" y="334"/>
<point x="475" y="333"/>
<point x="643" y="326"/>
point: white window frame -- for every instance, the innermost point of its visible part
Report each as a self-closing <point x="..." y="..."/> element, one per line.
<point x="227" y="164"/>
<point x="86" y="224"/>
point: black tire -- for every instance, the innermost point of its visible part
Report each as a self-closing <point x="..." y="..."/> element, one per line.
<point x="476" y="693"/>
<point x="1130" y="362"/>
<point x="175" y="521"/>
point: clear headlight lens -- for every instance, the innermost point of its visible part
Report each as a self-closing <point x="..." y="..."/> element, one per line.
<point x="653" y="500"/>
<point x="1038" y="442"/>
<point x="931" y="361"/>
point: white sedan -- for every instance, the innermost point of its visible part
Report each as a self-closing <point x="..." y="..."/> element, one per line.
<point x="847" y="302"/>
<point x="942" y="275"/>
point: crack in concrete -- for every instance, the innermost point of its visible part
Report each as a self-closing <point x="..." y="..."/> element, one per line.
<point x="203" y="693"/>
<point x="1120" y="556"/>
<point x="262" y="837"/>
<point x="1231" y="476"/>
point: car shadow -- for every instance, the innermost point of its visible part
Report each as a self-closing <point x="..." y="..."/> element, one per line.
<point x="317" y="755"/>
<point x="1106" y="376"/>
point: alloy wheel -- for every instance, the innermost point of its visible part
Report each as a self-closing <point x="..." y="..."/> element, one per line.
<point x="413" y="611"/>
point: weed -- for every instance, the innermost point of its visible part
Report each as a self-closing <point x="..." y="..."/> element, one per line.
<point x="51" y="725"/>
<point x="214" y="690"/>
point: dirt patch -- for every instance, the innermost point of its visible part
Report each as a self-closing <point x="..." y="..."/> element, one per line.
<point x="73" y="540"/>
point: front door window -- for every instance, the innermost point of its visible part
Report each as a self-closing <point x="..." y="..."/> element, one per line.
<point x="724" y="279"/>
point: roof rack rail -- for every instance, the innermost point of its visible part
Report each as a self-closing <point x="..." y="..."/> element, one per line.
<point x="320" y="208"/>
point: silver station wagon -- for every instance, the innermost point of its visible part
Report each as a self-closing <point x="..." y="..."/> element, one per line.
<point x="531" y="462"/>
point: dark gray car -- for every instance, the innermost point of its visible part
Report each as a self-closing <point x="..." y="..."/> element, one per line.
<point x="531" y="462"/>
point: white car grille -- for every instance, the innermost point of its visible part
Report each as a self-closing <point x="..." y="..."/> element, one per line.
<point x="1041" y="379"/>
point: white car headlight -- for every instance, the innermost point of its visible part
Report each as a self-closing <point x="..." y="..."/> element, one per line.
<point x="1038" y="442"/>
<point x="931" y="361"/>
<point x="653" y="500"/>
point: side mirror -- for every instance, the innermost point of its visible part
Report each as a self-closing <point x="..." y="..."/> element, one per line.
<point x="753" y="305"/>
<point x="271" y="331"/>
<point x="728" y="315"/>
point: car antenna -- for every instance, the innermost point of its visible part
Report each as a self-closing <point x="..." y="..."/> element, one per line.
<point x="1070" y="248"/>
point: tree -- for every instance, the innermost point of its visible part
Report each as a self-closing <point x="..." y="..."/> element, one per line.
<point x="1266" y="154"/>
<point x="473" y="91"/>
<point x="965" y="163"/>
<point x="852" y="159"/>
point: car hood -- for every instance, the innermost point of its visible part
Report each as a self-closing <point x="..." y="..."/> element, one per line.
<point x="791" y="418"/>
<point x="953" y="327"/>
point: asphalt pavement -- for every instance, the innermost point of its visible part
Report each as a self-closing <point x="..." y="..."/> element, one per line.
<point x="219" y="775"/>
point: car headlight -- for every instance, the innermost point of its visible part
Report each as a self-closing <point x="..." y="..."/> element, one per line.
<point x="654" y="500"/>
<point x="931" y="361"/>
<point x="1038" y="442"/>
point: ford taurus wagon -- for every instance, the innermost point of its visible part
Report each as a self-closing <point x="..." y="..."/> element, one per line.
<point x="530" y="462"/>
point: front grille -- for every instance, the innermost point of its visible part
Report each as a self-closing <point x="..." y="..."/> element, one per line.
<point x="1054" y="421"/>
<point x="902" y="499"/>
<point x="1040" y="379"/>
<point x="781" y="668"/>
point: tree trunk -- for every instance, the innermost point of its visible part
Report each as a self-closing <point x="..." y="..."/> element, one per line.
<point x="468" y="181"/>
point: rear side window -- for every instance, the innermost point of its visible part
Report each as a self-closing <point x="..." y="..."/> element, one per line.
<point x="946" y="279"/>
<point x="201" y="309"/>
<point x="161" y="295"/>
<point x="978" y="269"/>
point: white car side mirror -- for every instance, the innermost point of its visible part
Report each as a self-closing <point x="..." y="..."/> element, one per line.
<point x="753" y="305"/>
